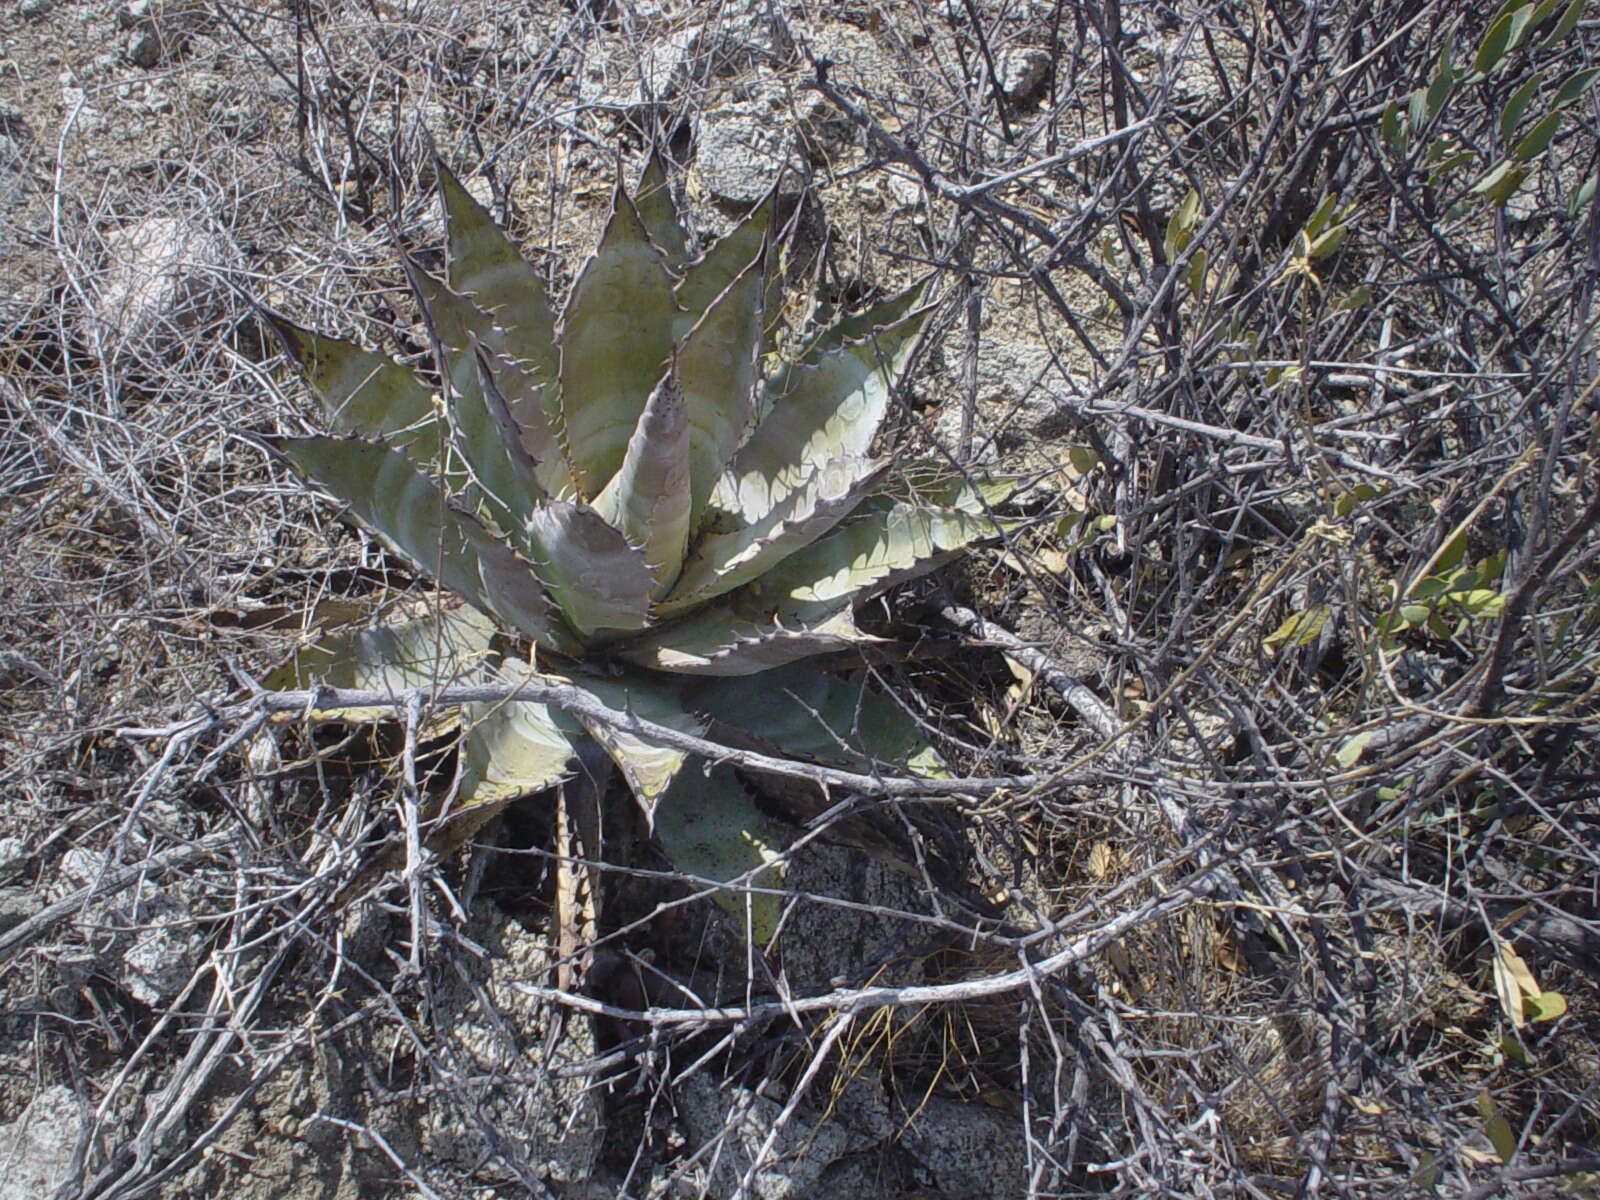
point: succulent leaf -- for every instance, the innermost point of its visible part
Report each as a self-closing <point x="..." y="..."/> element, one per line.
<point x="440" y="648"/>
<point x="722" y="562"/>
<point x="363" y="392"/>
<point x="648" y="498"/>
<point x="825" y="410"/>
<point x="817" y="716"/>
<point x="616" y="336"/>
<point x="510" y="748"/>
<point x="648" y="768"/>
<point x="661" y="507"/>
<point x="497" y="463"/>
<point x="716" y="367"/>
<point x="600" y="581"/>
<point x="659" y="213"/>
<point x="740" y="636"/>
<point x="516" y="402"/>
<point x="872" y="552"/>
<point x="710" y="827"/>
<point x="709" y="276"/>
<point x="485" y="265"/>
<point x="864" y="323"/>
<point x="408" y="511"/>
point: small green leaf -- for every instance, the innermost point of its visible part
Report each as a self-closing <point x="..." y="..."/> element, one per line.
<point x="1452" y="555"/>
<point x="1511" y="114"/>
<point x="1427" y="1173"/>
<point x="1357" y="297"/>
<point x="1546" y="1006"/>
<point x="1575" y="86"/>
<point x="1195" y="275"/>
<point x="1501" y="1136"/>
<point x="1327" y="243"/>
<point x="1536" y="139"/>
<point x="1449" y="166"/>
<point x="1439" y="89"/>
<point x="1564" y="26"/>
<point x="1498" y="185"/>
<point x="1180" y="225"/>
<point x="1415" y="614"/>
<point x="1319" y="219"/>
<point x="1393" y="127"/>
<point x="1521" y="25"/>
<point x="1299" y="628"/>
<point x="1083" y="459"/>
<point x="711" y="828"/>
<point x="1349" y="754"/>
<point x="1505" y="10"/>
<point x="1350" y="499"/>
<point x="1496" y="42"/>
<point x="1581" y="196"/>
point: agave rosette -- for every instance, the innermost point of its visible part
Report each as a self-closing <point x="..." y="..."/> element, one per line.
<point x="643" y="490"/>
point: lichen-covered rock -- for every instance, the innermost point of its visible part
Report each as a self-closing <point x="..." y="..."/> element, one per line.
<point x="731" y="1124"/>
<point x="744" y="149"/>
<point x="971" y="1152"/>
<point x="161" y="280"/>
<point x="37" y="1147"/>
<point x="504" y="1050"/>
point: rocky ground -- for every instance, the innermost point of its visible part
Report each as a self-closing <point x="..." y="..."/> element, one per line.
<point x="1292" y="893"/>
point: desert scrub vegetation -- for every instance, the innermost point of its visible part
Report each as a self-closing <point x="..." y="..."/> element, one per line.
<point x="1259" y="858"/>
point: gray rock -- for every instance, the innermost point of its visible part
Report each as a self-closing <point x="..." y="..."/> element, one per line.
<point x="159" y="30"/>
<point x="78" y="868"/>
<point x="33" y="8"/>
<point x="1017" y="387"/>
<point x="145" y="938"/>
<point x="161" y="280"/>
<point x="12" y="123"/>
<point x="498" y="1037"/>
<point x="164" y="953"/>
<point x="743" y="149"/>
<point x="731" y="1124"/>
<point x="740" y="40"/>
<point x="37" y="1147"/>
<point x="821" y="944"/>
<point x="14" y="856"/>
<point x="1023" y="73"/>
<point x="143" y="49"/>
<point x="972" y="1152"/>
<point x="18" y="905"/>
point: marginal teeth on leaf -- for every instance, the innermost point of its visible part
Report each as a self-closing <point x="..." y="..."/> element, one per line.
<point x="616" y="335"/>
<point x="486" y="266"/>
<point x="826" y="410"/>
<point x="723" y="562"/>
<point x="598" y="578"/>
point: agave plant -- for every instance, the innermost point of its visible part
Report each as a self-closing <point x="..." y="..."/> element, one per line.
<point x="673" y="513"/>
